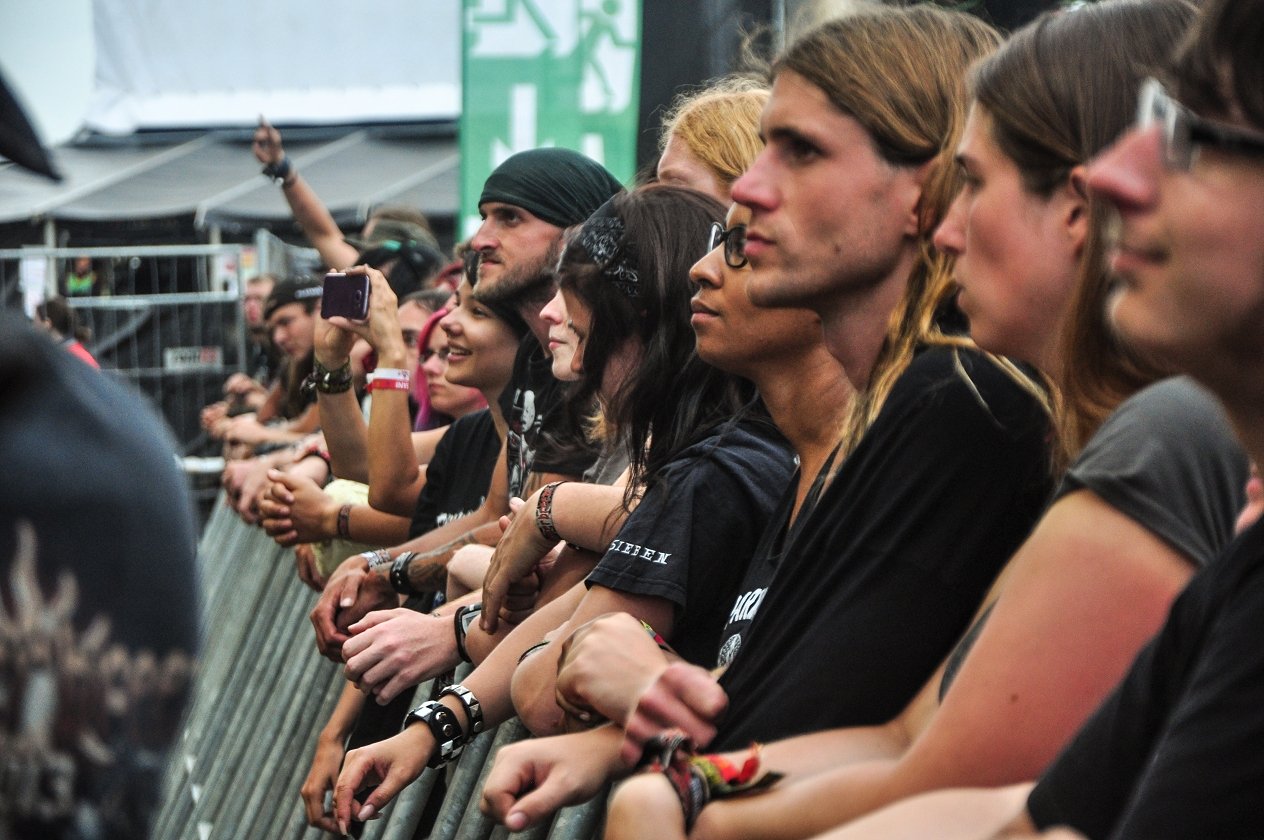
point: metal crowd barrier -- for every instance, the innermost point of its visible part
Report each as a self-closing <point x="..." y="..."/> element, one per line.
<point x="165" y="317"/>
<point x="262" y="696"/>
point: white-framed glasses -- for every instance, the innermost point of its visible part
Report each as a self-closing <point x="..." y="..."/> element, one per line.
<point x="1183" y="132"/>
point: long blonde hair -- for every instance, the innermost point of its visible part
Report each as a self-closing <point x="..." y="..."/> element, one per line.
<point x="900" y="73"/>
<point x="719" y="124"/>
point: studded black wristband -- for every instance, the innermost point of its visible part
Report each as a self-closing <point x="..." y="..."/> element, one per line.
<point x="399" y="574"/>
<point x="473" y="709"/>
<point x="443" y="725"/>
<point x="322" y="380"/>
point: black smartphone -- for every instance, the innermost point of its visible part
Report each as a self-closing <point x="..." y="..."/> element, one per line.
<point x="344" y="295"/>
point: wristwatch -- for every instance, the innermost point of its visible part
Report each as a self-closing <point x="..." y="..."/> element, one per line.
<point x="464" y="617"/>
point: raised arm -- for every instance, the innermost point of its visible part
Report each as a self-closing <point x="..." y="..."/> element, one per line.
<point x="309" y="211"/>
<point x="394" y="476"/>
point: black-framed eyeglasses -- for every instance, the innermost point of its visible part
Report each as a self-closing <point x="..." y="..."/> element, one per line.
<point x="428" y="354"/>
<point x="1183" y="132"/>
<point x="734" y="241"/>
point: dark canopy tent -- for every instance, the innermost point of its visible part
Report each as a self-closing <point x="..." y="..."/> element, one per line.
<point x="193" y="186"/>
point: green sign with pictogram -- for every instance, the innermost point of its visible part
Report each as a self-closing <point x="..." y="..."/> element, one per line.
<point x="547" y="73"/>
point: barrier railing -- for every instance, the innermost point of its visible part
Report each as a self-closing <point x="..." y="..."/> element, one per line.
<point x="165" y="317"/>
<point x="262" y="696"/>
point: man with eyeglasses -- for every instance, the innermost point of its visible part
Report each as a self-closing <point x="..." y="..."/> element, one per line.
<point x="1175" y="751"/>
<point x="868" y="574"/>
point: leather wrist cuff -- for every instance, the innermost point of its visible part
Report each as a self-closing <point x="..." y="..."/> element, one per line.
<point x="399" y="574"/>
<point x="443" y="725"/>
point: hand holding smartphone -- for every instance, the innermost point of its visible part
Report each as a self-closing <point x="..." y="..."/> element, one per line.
<point x="345" y="295"/>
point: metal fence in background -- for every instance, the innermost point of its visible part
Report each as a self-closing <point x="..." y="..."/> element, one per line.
<point x="262" y="696"/>
<point x="166" y="318"/>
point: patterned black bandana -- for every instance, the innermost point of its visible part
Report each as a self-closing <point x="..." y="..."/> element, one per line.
<point x="602" y="237"/>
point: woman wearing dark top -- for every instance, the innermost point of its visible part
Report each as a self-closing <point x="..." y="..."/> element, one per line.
<point x="456" y="479"/>
<point x="625" y="277"/>
<point x="1149" y="499"/>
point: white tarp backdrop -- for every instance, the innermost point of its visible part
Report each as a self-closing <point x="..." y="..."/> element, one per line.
<point x="165" y="64"/>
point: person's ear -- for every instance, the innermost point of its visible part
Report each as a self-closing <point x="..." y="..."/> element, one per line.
<point x="913" y="223"/>
<point x="1076" y="216"/>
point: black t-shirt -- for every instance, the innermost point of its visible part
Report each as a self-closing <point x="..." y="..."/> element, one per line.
<point x="98" y="577"/>
<point x="541" y="438"/>
<point x="458" y="474"/>
<point x="883" y="576"/>
<point x="1176" y="751"/>
<point x="690" y="538"/>
<point x="456" y="483"/>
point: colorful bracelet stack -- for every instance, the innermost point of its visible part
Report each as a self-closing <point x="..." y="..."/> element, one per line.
<point x="697" y="779"/>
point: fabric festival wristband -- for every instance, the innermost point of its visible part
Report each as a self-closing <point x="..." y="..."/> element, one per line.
<point x="544" y="512"/>
<point x="398" y="374"/>
<point x="387" y="385"/>
<point x="393" y="379"/>
<point x="656" y="636"/>
<point x="344" y="522"/>
<point x="697" y="779"/>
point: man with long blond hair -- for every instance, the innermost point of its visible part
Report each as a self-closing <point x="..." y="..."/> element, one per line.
<point x="865" y="581"/>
